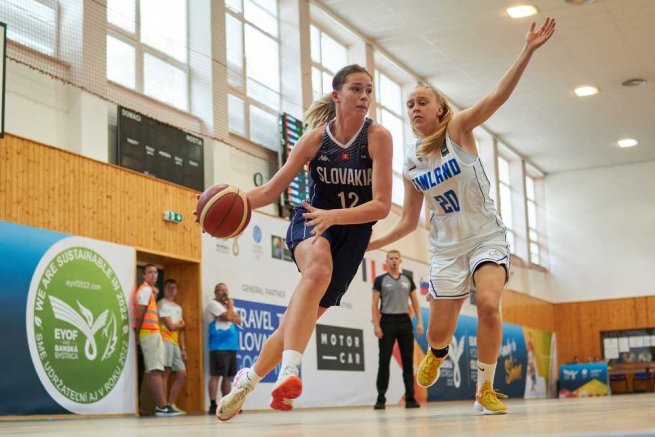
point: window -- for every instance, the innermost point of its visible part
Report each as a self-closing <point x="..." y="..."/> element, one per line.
<point x="328" y="57"/>
<point x="505" y="200"/>
<point x="533" y="221"/>
<point x="149" y="54"/>
<point x="32" y="23"/>
<point x="253" y="61"/>
<point x="390" y="114"/>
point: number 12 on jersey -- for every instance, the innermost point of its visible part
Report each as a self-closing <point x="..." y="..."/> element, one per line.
<point x="448" y="201"/>
<point x="352" y="198"/>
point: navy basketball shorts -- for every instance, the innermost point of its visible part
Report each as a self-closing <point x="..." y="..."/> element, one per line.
<point x="347" y="245"/>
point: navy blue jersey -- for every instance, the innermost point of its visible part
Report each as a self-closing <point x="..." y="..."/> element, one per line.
<point x="341" y="173"/>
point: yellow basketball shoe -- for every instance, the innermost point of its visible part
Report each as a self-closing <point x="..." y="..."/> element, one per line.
<point x="487" y="400"/>
<point x="428" y="369"/>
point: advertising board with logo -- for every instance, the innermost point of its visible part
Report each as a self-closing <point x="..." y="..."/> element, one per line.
<point x="69" y="329"/>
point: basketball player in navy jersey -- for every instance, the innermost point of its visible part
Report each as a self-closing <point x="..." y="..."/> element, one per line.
<point x="350" y="161"/>
<point x="467" y="238"/>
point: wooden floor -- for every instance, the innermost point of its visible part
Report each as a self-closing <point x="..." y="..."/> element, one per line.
<point x="632" y="415"/>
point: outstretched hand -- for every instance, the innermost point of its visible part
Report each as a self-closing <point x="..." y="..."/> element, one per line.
<point x="534" y="40"/>
<point x="321" y="219"/>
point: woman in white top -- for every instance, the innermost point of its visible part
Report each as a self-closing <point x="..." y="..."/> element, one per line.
<point x="467" y="239"/>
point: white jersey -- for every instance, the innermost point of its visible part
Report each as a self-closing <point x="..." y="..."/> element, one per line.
<point x="457" y="192"/>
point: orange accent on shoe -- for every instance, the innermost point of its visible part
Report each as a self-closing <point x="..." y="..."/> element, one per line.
<point x="290" y="388"/>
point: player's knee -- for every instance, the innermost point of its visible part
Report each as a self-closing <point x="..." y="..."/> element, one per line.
<point x="319" y="273"/>
<point x="488" y="311"/>
<point x="438" y="338"/>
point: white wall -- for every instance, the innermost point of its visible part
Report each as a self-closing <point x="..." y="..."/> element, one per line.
<point x="48" y="111"/>
<point x="601" y="232"/>
<point x="36" y="106"/>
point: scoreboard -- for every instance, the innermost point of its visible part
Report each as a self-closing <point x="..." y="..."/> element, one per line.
<point x="291" y="131"/>
<point x="158" y="149"/>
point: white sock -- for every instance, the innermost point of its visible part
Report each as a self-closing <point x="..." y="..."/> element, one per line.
<point x="486" y="372"/>
<point x="252" y="376"/>
<point x="291" y="358"/>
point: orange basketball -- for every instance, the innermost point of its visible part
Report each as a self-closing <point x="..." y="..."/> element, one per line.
<point x="223" y="211"/>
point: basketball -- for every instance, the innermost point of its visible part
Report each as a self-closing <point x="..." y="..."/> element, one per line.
<point x="223" y="211"/>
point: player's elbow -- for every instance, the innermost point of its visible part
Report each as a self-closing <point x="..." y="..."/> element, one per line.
<point x="382" y="209"/>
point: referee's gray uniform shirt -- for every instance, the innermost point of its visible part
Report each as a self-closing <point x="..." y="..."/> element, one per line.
<point x="394" y="293"/>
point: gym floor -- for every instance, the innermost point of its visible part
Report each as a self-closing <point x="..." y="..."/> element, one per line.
<point x="627" y="415"/>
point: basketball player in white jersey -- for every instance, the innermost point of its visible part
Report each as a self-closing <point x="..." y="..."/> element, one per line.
<point x="467" y="240"/>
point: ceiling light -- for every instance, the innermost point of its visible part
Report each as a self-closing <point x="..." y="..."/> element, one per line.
<point x="633" y="82"/>
<point x="627" y="142"/>
<point x="521" y="11"/>
<point x="586" y="90"/>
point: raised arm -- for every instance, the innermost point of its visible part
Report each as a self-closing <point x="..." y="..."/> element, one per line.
<point x="468" y="119"/>
<point x="408" y="220"/>
<point x="303" y="151"/>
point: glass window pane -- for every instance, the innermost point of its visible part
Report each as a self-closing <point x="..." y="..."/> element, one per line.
<point x="532" y="214"/>
<point x="503" y="170"/>
<point x="164" y="26"/>
<point x="234" y="42"/>
<point x="235" y="5"/>
<point x="534" y="235"/>
<point x="510" y="241"/>
<point x="529" y="188"/>
<point x="334" y="55"/>
<point x="315" y="41"/>
<point x="261" y="18"/>
<point x="327" y="83"/>
<point x="235" y="115"/>
<point x="268" y="5"/>
<point x="506" y="205"/>
<point x="395" y="126"/>
<point x="31" y="23"/>
<point x="122" y="13"/>
<point x="165" y="82"/>
<point x="121" y="59"/>
<point x="397" y="189"/>
<point x="390" y="95"/>
<point x="317" y="87"/>
<point x="263" y="128"/>
<point x="262" y="58"/>
<point x="534" y="253"/>
<point x="263" y="94"/>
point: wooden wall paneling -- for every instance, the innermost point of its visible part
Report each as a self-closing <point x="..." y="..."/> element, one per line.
<point x="527" y="311"/>
<point x="578" y="324"/>
<point x="189" y="298"/>
<point x="54" y="189"/>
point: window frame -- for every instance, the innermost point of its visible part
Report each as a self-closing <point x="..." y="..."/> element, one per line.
<point x="140" y="51"/>
<point x="241" y="91"/>
<point x="56" y="7"/>
<point x="534" y="227"/>
<point x="381" y="106"/>
<point x="323" y="69"/>
<point x="508" y="229"/>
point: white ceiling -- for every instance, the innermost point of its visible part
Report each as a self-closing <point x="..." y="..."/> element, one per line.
<point x="464" y="46"/>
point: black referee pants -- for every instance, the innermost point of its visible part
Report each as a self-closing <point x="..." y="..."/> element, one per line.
<point x="396" y="327"/>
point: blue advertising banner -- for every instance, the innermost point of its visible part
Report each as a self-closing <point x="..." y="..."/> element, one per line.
<point x="582" y="380"/>
<point x="258" y="322"/>
<point x="459" y="374"/>
<point x="20" y="253"/>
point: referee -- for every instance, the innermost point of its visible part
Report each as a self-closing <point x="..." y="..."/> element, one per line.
<point x="391" y="294"/>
